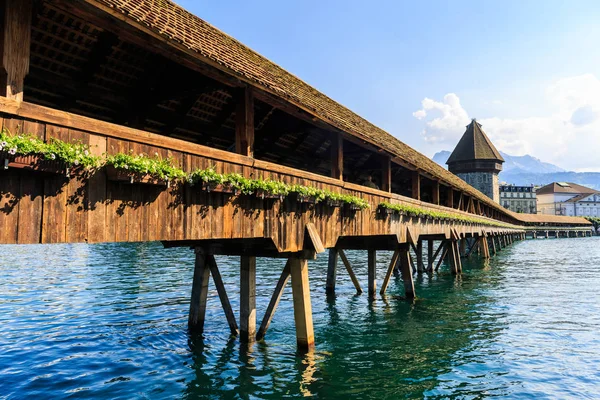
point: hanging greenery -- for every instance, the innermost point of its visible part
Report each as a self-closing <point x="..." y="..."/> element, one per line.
<point x="157" y="167"/>
<point x="71" y="154"/>
<point x="415" y="211"/>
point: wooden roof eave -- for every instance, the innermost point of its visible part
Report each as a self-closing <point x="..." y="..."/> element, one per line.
<point x="231" y="78"/>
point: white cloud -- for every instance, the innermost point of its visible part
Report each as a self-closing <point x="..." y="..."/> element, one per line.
<point x="569" y="135"/>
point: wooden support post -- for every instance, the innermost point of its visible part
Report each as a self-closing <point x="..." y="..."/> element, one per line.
<point x="214" y="270"/>
<point x="350" y="271"/>
<point x="416" y="185"/>
<point x="337" y="156"/>
<point x="450" y="197"/>
<point x="485" y="246"/>
<point x="463" y="247"/>
<point x="390" y="271"/>
<point x="436" y="192"/>
<point x="244" y="124"/>
<point x="473" y="246"/>
<point x="372" y="273"/>
<point x="419" y="251"/>
<point x="493" y="245"/>
<point x="199" y="293"/>
<point x="16" y="45"/>
<point x="247" y="299"/>
<point x="305" y="335"/>
<point x="281" y="283"/>
<point x="454" y="257"/>
<point x="446" y="247"/>
<point x="331" y="271"/>
<point x="409" y="285"/>
<point x="430" y="257"/>
<point x="386" y="174"/>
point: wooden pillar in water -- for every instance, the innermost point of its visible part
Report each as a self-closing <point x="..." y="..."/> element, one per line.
<point x="493" y="245"/>
<point x="419" y="251"/>
<point x="407" y="276"/>
<point x="454" y="254"/>
<point x="372" y="273"/>
<point x="485" y="246"/>
<point x="463" y="247"/>
<point x="199" y="293"/>
<point x="247" y="299"/>
<point x="331" y="271"/>
<point x="305" y="335"/>
<point x="430" y="259"/>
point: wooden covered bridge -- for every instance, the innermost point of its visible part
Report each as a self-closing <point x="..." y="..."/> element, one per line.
<point x="123" y="78"/>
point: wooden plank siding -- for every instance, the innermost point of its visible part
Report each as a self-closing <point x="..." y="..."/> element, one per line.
<point x="46" y="209"/>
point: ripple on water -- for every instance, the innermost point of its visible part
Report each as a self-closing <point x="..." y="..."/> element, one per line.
<point x="109" y="321"/>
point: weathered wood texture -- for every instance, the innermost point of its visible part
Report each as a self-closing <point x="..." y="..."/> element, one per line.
<point x="45" y="209"/>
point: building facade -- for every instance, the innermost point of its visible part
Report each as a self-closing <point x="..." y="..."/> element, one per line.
<point x="476" y="161"/>
<point x="570" y="199"/>
<point x="519" y="199"/>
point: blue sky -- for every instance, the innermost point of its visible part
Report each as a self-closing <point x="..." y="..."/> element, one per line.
<point x="527" y="70"/>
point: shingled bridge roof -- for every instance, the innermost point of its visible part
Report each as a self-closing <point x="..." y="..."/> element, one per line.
<point x="188" y="32"/>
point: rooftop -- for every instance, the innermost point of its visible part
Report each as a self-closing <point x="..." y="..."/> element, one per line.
<point x="474" y="145"/>
<point x="565" y="187"/>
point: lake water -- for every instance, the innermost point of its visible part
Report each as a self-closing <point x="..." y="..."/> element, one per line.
<point x="109" y="321"/>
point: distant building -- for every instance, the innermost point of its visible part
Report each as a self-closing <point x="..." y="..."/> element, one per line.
<point x="476" y="161"/>
<point x="520" y="199"/>
<point x="571" y="199"/>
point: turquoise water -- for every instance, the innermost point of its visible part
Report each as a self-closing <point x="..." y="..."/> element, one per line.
<point x="109" y="321"/>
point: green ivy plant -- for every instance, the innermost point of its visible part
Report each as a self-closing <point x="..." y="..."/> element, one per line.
<point x="71" y="154"/>
<point x="422" y="212"/>
<point x="309" y="192"/>
<point x="157" y="167"/>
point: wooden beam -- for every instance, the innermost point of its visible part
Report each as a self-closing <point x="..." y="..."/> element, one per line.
<point x="214" y="270"/>
<point x="305" y="335"/>
<point x="473" y="246"/>
<point x="446" y="247"/>
<point x="247" y="298"/>
<point x="450" y="197"/>
<point x="275" y="298"/>
<point x="199" y="293"/>
<point x="416" y="185"/>
<point x="372" y="273"/>
<point x="435" y="192"/>
<point x="102" y="49"/>
<point x="430" y="258"/>
<point x="350" y="271"/>
<point x="244" y="124"/>
<point x="419" y="252"/>
<point x="331" y="271"/>
<point x="407" y="278"/>
<point x="389" y="273"/>
<point x="16" y="45"/>
<point x="386" y="174"/>
<point x="337" y="156"/>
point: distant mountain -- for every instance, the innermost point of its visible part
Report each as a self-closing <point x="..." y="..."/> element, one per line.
<point x="527" y="170"/>
<point x="524" y="163"/>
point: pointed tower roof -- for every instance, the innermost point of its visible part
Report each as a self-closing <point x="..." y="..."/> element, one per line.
<point x="474" y="145"/>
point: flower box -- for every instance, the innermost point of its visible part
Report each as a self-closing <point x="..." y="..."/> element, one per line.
<point x="306" y="199"/>
<point x="268" y="196"/>
<point x="218" y="188"/>
<point x="387" y="211"/>
<point x="353" y="207"/>
<point x="334" y="203"/>
<point x="132" y="178"/>
<point x="33" y="162"/>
